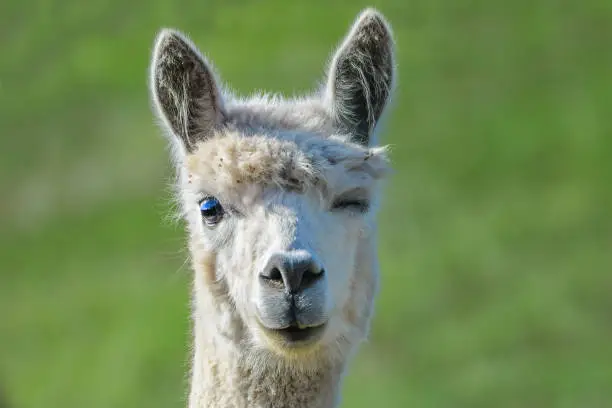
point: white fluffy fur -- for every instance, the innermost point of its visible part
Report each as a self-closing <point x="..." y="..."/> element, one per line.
<point x="277" y="166"/>
<point x="230" y="165"/>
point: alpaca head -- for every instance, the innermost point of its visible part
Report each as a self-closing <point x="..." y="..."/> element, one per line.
<point x="280" y="196"/>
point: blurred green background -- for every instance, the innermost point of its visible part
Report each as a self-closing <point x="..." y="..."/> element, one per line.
<point x="496" y="236"/>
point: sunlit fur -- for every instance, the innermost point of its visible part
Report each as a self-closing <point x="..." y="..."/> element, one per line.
<point x="277" y="166"/>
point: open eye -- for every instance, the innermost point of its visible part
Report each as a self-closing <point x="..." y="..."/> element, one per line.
<point x="211" y="210"/>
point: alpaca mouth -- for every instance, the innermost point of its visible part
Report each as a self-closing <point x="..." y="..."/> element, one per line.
<point x="297" y="336"/>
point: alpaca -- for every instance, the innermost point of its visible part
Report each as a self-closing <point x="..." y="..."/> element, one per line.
<point x="279" y="197"/>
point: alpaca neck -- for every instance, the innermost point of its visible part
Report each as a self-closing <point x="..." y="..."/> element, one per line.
<point x="228" y="373"/>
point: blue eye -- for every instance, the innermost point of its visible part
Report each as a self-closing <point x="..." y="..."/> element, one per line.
<point x="211" y="210"/>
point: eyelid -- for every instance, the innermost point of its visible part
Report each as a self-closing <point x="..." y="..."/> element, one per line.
<point x="353" y="198"/>
<point x="206" y="197"/>
<point x="350" y="201"/>
<point x="354" y="194"/>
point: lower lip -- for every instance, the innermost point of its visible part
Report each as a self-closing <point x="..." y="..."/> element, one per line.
<point x="295" y="337"/>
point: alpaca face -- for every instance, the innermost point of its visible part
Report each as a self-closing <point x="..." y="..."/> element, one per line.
<point x="280" y="196"/>
<point x="289" y="265"/>
<point x="285" y="216"/>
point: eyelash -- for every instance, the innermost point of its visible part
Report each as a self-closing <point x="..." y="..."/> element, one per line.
<point x="357" y="205"/>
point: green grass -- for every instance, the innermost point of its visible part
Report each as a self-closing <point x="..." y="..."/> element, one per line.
<point x="496" y="233"/>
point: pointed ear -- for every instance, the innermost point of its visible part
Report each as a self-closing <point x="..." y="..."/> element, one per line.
<point x="361" y="76"/>
<point x="184" y="90"/>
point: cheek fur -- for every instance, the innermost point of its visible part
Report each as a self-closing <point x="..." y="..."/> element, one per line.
<point x="336" y="248"/>
<point x="242" y="257"/>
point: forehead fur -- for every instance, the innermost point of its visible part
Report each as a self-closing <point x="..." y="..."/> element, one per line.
<point x="232" y="161"/>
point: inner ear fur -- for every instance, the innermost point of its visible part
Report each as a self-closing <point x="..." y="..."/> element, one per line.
<point x="362" y="75"/>
<point x="184" y="89"/>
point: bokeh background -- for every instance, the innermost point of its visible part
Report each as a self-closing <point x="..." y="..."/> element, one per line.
<point x="496" y="234"/>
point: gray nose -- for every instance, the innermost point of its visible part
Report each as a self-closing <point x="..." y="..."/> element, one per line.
<point x="294" y="271"/>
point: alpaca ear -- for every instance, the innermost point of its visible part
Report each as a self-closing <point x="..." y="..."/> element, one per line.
<point x="184" y="90"/>
<point x="361" y="76"/>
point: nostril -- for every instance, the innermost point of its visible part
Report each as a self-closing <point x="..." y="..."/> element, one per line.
<point x="275" y="275"/>
<point x="310" y="277"/>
